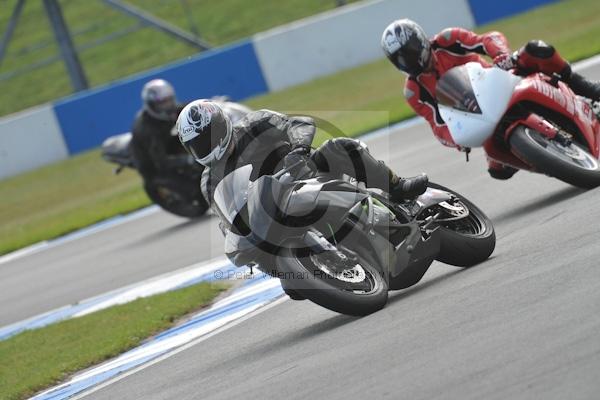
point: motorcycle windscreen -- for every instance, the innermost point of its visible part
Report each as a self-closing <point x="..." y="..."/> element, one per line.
<point x="454" y="90"/>
<point x="231" y="194"/>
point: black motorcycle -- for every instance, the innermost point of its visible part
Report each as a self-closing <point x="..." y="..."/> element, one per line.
<point x="168" y="193"/>
<point x="165" y="192"/>
<point x="341" y="245"/>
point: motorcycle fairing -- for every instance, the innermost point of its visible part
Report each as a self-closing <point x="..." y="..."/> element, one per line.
<point x="277" y="211"/>
<point x="333" y="200"/>
<point x="240" y="250"/>
<point x="408" y="261"/>
<point x="231" y="193"/>
<point x="491" y="88"/>
<point x="115" y="149"/>
<point x="497" y="91"/>
<point x="414" y="256"/>
<point x="537" y="88"/>
<point x="320" y="192"/>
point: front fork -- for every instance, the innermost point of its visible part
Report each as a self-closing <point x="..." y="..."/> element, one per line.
<point x="536" y="123"/>
<point x="503" y="155"/>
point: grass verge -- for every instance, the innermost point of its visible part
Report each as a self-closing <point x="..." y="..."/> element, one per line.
<point x="54" y="200"/>
<point x="37" y="359"/>
<point x="74" y="193"/>
<point x="571" y="26"/>
<point x="91" y="21"/>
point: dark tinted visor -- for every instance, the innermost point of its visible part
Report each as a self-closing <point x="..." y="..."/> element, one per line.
<point x="408" y="58"/>
<point x="168" y="104"/>
<point x="454" y="90"/>
<point x="206" y="142"/>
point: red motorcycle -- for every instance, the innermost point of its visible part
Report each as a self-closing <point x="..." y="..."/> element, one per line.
<point x="535" y="123"/>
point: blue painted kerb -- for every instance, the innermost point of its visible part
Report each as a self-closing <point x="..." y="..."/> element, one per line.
<point x="86" y="119"/>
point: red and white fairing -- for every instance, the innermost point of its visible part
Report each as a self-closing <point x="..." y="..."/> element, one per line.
<point x="474" y="100"/>
<point x="493" y="89"/>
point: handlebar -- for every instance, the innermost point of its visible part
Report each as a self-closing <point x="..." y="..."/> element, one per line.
<point x="285" y="170"/>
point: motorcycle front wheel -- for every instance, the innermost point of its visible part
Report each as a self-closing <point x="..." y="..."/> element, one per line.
<point x="571" y="163"/>
<point x="354" y="286"/>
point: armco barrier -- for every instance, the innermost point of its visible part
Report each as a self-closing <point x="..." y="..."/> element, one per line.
<point x="486" y="11"/>
<point x="346" y="37"/>
<point x="88" y="118"/>
<point x="30" y="139"/>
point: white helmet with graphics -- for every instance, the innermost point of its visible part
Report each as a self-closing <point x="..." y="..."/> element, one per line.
<point x="159" y="100"/>
<point x="205" y="131"/>
<point x="406" y="45"/>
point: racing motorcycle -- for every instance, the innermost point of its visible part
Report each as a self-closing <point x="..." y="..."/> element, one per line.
<point x="341" y="245"/>
<point x="162" y="191"/>
<point x="535" y="123"/>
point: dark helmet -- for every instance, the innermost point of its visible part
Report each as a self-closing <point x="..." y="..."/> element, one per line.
<point x="159" y="100"/>
<point x="405" y="43"/>
<point x="205" y="131"/>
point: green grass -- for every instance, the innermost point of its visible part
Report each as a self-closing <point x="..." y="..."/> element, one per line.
<point x="77" y="192"/>
<point x="37" y="359"/>
<point x="571" y="26"/>
<point x="219" y="22"/>
<point x="62" y="197"/>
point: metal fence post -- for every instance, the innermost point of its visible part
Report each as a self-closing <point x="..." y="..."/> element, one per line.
<point x="67" y="49"/>
<point x="158" y="23"/>
<point x="12" y="23"/>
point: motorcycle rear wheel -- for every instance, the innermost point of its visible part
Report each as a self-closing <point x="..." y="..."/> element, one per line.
<point x="572" y="164"/>
<point x="469" y="241"/>
<point x="303" y="274"/>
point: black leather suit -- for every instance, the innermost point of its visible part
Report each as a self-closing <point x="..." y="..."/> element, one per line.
<point x="263" y="138"/>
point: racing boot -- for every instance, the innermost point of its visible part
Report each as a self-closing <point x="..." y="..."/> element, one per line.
<point x="499" y="171"/>
<point x="584" y="87"/>
<point x="407" y="188"/>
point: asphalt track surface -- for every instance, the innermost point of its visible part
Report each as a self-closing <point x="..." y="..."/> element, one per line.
<point x="524" y="324"/>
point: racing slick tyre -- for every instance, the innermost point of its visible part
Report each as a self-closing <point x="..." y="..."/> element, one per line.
<point x="354" y="287"/>
<point x="570" y="163"/>
<point x="467" y="241"/>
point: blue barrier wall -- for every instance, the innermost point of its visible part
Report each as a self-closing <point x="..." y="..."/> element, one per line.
<point x="486" y="11"/>
<point x="243" y="70"/>
<point x="87" y="119"/>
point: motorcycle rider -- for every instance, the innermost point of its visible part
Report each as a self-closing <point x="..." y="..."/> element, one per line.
<point x="424" y="60"/>
<point x="154" y="146"/>
<point x="269" y="140"/>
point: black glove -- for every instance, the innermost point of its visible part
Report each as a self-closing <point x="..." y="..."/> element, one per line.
<point x="296" y="158"/>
